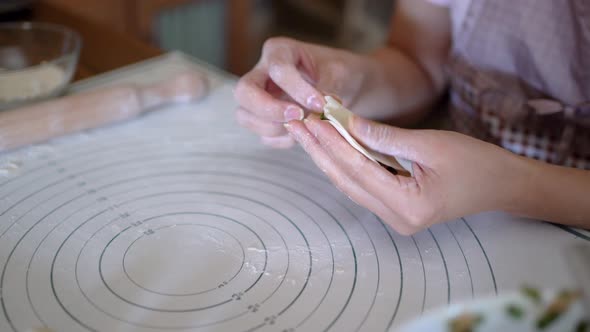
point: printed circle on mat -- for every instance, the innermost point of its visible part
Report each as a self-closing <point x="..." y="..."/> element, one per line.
<point x="182" y="251"/>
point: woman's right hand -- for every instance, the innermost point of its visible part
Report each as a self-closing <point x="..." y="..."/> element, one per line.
<point x="290" y="79"/>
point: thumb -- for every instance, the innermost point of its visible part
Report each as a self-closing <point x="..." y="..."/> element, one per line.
<point x="389" y="140"/>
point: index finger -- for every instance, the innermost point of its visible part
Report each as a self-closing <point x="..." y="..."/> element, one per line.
<point x="374" y="178"/>
<point x="286" y="76"/>
<point x="251" y="94"/>
<point x="340" y="175"/>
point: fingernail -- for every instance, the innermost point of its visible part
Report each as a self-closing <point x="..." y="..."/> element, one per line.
<point x="315" y="103"/>
<point x="287" y="125"/>
<point x="293" y="113"/>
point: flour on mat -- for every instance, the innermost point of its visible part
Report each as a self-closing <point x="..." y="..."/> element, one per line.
<point x="30" y="83"/>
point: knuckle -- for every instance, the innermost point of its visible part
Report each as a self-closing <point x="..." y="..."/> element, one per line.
<point x="240" y="91"/>
<point x="243" y="120"/>
<point x="384" y="135"/>
<point x="380" y="135"/>
<point x="339" y="74"/>
<point x="260" y="127"/>
<point x="271" y="130"/>
<point x="340" y="181"/>
<point x="271" y="112"/>
<point x="395" y="224"/>
<point x="338" y="69"/>
<point x="278" y="70"/>
<point x="287" y="145"/>
<point x="272" y="43"/>
<point x="418" y="217"/>
<point x="280" y="142"/>
<point x="406" y="231"/>
<point x="307" y="140"/>
<point x="359" y="164"/>
<point x="287" y="142"/>
<point x="413" y="218"/>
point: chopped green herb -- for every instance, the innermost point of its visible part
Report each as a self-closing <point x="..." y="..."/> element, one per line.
<point x="569" y="295"/>
<point x="532" y="293"/>
<point x="466" y="322"/>
<point x="582" y="326"/>
<point x="323" y="117"/>
<point x="546" y="320"/>
<point x="478" y="320"/>
<point x="514" y="311"/>
<point x="560" y="304"/>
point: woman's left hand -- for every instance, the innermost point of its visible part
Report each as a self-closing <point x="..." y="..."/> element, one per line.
<point x="454" y="175"/>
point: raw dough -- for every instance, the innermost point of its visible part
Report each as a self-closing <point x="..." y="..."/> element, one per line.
<point x="338" y="116"/>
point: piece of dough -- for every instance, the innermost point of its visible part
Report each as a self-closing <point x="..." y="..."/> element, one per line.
<point x="339" y="117"/>
<point x="39" y="329"/>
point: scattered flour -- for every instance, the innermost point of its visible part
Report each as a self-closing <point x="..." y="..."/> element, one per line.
<point x="30" y="83"/>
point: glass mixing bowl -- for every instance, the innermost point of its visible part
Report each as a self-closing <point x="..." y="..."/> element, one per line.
<point x="37" y="61"/>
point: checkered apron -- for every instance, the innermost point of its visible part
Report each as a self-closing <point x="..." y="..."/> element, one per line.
<point x="520" y="77"/>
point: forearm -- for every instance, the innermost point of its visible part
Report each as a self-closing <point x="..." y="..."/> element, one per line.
<point x="406" y="77"/>
<point x="395" y="89"/>
<point x="553" y="193"/>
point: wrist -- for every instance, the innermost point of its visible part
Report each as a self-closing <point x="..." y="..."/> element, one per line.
<point x="400" y="89"/>
<point x="552" y="193"/>
<point x="361" y="78"/>
<point x="519" y="179"/>
<point x="374" y="95"/>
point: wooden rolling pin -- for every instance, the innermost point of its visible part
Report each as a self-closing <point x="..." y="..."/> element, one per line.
<point x="57" y="117"/>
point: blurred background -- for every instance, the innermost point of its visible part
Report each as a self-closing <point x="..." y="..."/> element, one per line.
<point x="226" y="33"/>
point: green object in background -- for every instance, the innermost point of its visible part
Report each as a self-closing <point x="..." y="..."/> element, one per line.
<point x="198" y="29"/>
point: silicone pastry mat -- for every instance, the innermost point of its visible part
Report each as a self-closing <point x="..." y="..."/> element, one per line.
<point x="181" y="220"/>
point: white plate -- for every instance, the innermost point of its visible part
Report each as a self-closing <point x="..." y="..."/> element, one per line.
<point x="496" y="318"/>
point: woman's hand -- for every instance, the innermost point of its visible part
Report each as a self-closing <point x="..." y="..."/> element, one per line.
<point x="291" y="77"/>
<point x="398" y="83"/>
<point x="454" y="175"/>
